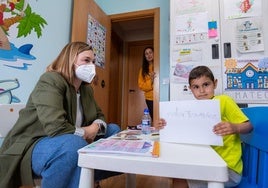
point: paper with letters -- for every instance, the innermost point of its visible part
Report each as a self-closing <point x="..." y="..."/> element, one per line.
<point x="190" y="121"/>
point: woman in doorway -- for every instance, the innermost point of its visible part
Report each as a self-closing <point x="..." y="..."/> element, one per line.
<point x="146" y="78"/>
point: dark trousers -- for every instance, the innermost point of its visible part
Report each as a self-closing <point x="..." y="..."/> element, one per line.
<point x="150" y="105"/>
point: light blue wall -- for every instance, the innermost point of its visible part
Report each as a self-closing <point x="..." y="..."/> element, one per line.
<point x="56" y="35"/>
<point x="123" y="6"/>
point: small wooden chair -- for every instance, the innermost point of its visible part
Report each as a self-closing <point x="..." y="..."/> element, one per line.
<point x="255" y="149"/>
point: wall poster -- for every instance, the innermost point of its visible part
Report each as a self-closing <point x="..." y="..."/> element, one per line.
<point x="96" y="35"/>
<point x="249" y="36"/>
<point x="247" y="79"/>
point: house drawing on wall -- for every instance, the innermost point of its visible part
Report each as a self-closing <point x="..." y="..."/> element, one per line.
<point x="247" y="77"/>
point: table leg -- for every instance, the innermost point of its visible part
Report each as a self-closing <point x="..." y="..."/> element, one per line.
<point x="86" y="178"/>
<point x="131" y="180"/>
<point x="215" y="185"/>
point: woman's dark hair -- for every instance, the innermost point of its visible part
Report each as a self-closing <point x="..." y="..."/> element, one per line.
<point x="145" y="63"/>
<point x="200" y="71"/>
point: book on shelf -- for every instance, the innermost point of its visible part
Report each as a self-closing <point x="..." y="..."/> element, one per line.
<point x="126" y="147"/>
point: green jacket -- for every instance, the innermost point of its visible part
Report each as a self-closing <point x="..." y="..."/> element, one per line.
<point x="50" y="111"/>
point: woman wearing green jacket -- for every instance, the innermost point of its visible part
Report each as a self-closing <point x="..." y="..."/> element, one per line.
<point x="60" y="117"/>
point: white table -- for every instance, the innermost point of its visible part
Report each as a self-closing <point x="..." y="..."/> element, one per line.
<point x="175" y="161"/>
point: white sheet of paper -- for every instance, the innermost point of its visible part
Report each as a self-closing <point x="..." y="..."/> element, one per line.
<point x="190" y="121"/>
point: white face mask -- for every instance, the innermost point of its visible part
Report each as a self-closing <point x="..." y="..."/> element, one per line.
<point x="85" y="72"/>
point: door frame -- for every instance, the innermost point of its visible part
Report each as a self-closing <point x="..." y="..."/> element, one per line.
<point x="149" y="13"/>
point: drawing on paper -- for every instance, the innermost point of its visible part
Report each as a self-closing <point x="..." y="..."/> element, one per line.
<point x="234" y="9"/>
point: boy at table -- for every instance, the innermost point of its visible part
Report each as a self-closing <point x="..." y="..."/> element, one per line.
<point x="202" y="84"/>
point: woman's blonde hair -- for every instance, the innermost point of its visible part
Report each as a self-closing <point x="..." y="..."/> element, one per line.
<point x="64" y="63"/>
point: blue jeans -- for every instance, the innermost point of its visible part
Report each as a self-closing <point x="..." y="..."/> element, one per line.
<point x="54" y="159"/>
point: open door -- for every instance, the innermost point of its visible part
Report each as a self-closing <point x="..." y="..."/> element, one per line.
<point x="81" y="10"/>
<point x="128" y="107"/>
<point x="136" y="99"/>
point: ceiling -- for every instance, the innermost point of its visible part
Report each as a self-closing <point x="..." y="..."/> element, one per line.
<point x="133" y="30"/>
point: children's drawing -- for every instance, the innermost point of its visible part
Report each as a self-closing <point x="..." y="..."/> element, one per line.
<point x="245" y="6"/>
<point x="181" y="73"/>
<point x="191" y="28"/>
<point x="6" y="86"/>
<point x="190" y="6"/>
<point x="242" y="8"/>
<point x="191" y="23"/>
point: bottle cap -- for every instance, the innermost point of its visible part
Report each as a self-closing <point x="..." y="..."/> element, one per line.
<point x="146" y="111"/>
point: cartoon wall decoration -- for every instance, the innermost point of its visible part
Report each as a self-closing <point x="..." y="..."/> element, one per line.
<point x="247" y="79"/>
<point x="6" y="86"/>
<point x="18" y="16"/>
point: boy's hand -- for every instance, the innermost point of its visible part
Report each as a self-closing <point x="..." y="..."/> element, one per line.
<point x="161" y="124"/>
<point x="225" y="128"/>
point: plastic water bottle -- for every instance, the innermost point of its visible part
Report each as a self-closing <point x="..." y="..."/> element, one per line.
<point x="146" y="122"/>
